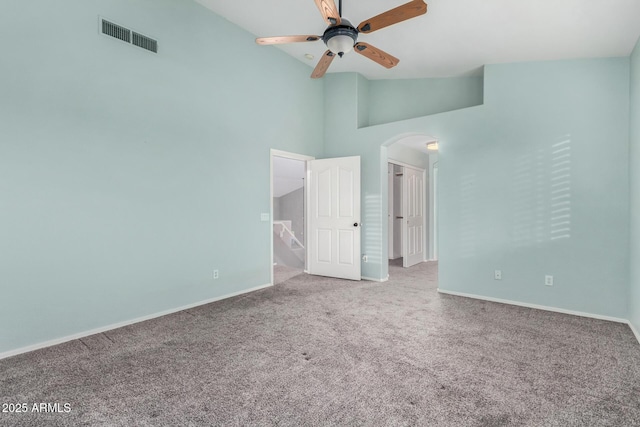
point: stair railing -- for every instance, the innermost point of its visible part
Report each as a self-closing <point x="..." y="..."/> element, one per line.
<point x="286" y="230"/>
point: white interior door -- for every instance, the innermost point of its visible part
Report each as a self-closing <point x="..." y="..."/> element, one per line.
<point x="334" y="217"/>
<point x="413" y="222"/>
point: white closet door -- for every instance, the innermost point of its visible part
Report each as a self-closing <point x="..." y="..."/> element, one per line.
<point x="413" y="225"/>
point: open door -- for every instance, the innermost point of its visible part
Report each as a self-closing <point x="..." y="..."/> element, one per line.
<point x="334" y="217"/>
<point x="413" y="224"/>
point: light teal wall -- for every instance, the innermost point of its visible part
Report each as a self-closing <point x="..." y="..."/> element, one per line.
<point x="499" y="163"/>
<point x="394" y="100"/>
<point x="123" y="174"/>
<point x="115" y="163"/>
<point x="634" y="165"/>
<point x="533" y="191"/>
<point x="344" y="138"/>
<point x="364" y="103"/>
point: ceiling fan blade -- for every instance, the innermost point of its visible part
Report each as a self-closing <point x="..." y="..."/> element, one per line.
<point x="401" y="13"/>
<point x="329" y="11"/>
<point x="287" y="39"/>
<point x="375" y="54"/>
<point x="323" y="65"/>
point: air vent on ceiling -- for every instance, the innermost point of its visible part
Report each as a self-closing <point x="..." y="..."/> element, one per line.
<point x="129" y="36"/>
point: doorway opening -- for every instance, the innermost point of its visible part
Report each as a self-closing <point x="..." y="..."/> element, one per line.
<point x="395" y="215"/>
<point x="411" y="201"/>
<point x="408" y="217"/>
<point x="315" y="216"/>
<point x="288" y="213"/>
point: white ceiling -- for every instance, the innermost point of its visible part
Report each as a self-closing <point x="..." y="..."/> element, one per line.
<point x="455" y="37"/>
<point x="288" y="175"/>
<point x="418" y="143"/>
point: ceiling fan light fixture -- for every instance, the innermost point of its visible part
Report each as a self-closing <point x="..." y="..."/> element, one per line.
<point x="432" y="145"/>
<point x="340" y="44"/>
<point x="340" y="38"/>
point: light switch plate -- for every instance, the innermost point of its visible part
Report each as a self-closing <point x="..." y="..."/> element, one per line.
<point x="264" y="217"/>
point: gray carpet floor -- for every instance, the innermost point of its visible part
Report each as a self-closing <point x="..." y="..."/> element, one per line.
<point x="315" y="351"/>
<point x="282" y="273"/>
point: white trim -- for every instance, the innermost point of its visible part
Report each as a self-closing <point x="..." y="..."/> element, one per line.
<point x="278" y="153"/>
<point x="79" y="335"/>
<point x="390" y="211"/>
<point x="406" y="165"/>
<point x="634" y="330"/>
<point x="433" y="187"/>
<point x="288" y="155"/>
<point x="371" y="279"/>
<point x="536" y="306"/>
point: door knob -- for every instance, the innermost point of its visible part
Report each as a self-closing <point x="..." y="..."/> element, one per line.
<point x="355" y="224"/>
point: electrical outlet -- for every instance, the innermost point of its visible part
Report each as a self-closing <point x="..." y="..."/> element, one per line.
<point x="264" y="217"/>
<point x="497" y="275"/>
<point x="216" y="274"/>
<point x="548" y="280"/>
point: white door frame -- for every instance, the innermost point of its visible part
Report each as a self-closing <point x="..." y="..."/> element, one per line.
<point x="435" y="211"/>
<point x="425" y="227"/>
<point x="390" y="216"/>
<point x="287" y="155"/>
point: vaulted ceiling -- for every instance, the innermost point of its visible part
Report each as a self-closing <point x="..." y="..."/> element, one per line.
<point x="455" y="37"/>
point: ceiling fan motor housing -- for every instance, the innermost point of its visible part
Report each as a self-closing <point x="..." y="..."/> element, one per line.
<point x="340" y="38"/>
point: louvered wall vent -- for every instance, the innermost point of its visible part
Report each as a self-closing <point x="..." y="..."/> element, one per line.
<point x="145" y="42"/>
<point x="129" y="36"/>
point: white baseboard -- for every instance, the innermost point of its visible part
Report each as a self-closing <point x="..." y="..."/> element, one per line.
<point x="121" y="324"/>
<point x="371" y="279"/>
<point x="536" y="306"/>
<point x="635" y="331"/>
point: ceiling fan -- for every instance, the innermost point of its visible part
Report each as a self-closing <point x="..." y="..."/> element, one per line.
<point x="341" y="36"/>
